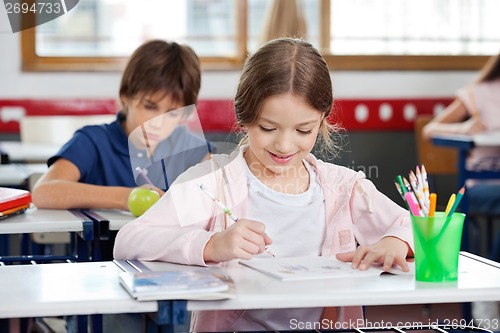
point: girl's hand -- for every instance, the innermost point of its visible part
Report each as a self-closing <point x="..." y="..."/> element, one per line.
<point x="242" y="240"/>
<point x="472" y="126"/>
<point x="386" y="252"/>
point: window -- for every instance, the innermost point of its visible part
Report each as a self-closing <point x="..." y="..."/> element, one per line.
<point x="351" y="34"/>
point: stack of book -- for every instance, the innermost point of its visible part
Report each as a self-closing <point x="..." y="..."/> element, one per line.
<point x="13" y="201"/>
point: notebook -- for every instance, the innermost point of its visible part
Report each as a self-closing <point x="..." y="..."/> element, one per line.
<point x="310" y="268"/>
<point x="195" y="283"/>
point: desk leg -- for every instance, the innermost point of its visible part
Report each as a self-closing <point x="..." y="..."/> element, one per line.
<point x="82" y="324"/>
<point x="82" y="251"/>
<point x="170" y="313"/>
<point x="462" y="176"/>
<point x="4" y="325"/>
<point x="97" y="323"/>
<point x="4" y="240"/>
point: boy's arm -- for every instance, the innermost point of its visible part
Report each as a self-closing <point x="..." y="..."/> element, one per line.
<point x="59" y="188"/>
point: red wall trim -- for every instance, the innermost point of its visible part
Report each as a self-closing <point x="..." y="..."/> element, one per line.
<point x="216" y="115"/>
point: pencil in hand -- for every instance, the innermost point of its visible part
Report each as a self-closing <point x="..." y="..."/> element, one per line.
<point x="227" y="211"/>
<point x="142" y="173"/>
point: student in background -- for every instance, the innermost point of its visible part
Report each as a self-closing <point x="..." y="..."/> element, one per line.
<point x="93" y="169"/>
<point x="285" y="198"/>
<point x="476" y="109"/>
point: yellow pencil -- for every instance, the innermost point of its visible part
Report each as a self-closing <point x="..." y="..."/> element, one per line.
<point x="450" y="203"/>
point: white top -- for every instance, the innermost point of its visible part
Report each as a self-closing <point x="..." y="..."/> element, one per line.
<point x="296" y="224"/>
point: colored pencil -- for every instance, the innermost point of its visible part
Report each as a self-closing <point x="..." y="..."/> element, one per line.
<point x="398" y="187"/>
<point x="425" y="187"/>
<point x="412" y="204"/>
<point x="409" y="190"/>
<point x="451" y="201"/>
<point x="432" y="204"/>
<point x="141" y="173"/>
<point x="459" y="196"/>
<point x="418" y="192"/>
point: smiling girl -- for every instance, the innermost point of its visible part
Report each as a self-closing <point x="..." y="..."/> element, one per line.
<point x="285" y="197"/>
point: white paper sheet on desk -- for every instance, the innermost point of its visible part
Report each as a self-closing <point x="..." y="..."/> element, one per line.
<point x="311" y="267"/>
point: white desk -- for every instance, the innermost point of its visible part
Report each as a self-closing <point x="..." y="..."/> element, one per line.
<point x="42" y="220"/>
<point x="52" y="220"/>
<point x="91" y="288"/>
<point x="116" y="218"/>
<point x="65" y="289"/>
<point x="17" y="174"/>
<point x="20" y="152"/>
<point x="476" y="281"/>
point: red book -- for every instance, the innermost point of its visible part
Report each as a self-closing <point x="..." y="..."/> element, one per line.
<point x="11" y="198"/>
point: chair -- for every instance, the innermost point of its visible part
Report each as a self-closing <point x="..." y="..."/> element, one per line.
<point x="54" y="130"/>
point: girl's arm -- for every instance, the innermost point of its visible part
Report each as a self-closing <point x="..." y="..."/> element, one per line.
<point x="453" y="120"/>
<point x="59" y="188"/>
<point x="381" y="228"/>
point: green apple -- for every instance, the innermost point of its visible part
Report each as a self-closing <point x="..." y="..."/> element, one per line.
<point x="140" y="199"/>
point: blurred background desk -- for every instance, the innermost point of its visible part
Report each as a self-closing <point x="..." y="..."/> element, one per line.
<point x="17" y="151"/>
<point x="464" y="144"/>
<point x="17" y="175"/>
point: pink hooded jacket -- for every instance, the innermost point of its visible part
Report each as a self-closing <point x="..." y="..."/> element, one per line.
<point x="179" y="225"/>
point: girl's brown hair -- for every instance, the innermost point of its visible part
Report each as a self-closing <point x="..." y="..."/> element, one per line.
<point x="160" y="66"/>
<point x="491" y="70"/>
<point x="285" y="66"/>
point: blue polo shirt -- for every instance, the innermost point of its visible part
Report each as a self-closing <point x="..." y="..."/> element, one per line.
<point x="103" y="156"/>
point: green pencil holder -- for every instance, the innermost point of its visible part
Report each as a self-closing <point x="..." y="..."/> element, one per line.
<point x="437" y="242"/>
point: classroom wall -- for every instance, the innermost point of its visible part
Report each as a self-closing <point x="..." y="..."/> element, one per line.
<point x="388" y="152"/>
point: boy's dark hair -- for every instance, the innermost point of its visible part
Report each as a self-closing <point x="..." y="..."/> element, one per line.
<point x="160" y="66"/>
